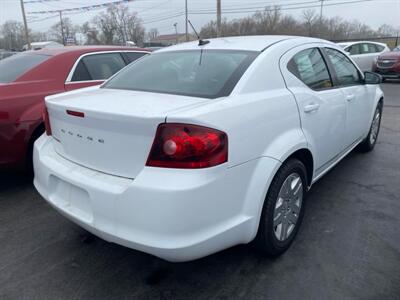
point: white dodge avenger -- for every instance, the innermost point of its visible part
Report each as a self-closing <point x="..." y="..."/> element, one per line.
<point x="206" y="145"/>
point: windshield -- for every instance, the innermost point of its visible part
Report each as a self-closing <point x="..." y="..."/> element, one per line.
<point x="197" y="73"/>
<point x="15" y="66"/>
<point x="397" y="48"/>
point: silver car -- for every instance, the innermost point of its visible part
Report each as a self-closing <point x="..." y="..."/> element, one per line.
<point x="364" y="53"/>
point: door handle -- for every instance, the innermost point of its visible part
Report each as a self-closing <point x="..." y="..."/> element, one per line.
<point x="350" y="98"/>
<point x="311" y="107"/>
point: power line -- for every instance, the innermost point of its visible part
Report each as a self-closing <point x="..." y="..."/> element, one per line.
<point x="256" y="9"/>
<point x="38" y="1"/>
<point x="81" y="8"/>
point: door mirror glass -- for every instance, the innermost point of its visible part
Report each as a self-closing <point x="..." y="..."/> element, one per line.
<point x="372" y="78"/>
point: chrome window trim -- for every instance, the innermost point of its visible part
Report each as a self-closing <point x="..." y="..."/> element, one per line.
<point x="71" y="72"/>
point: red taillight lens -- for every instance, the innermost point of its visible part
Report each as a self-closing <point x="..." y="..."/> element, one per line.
<point x="187" y="146"/>
<point x="46" y="121"/>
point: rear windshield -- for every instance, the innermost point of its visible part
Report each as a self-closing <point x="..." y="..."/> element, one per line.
<point x="197" y="73"/>
<point x="15" y="66"/>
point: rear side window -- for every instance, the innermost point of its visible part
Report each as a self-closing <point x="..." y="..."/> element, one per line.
<point x="98" y="66"/>
<point x="367" y="48"/>
<point x="379" y="48"/>
<point x="132" y="56"/>
<point x="81" y="73"/>
<point x="346" y="72"/>
<point x="15" y="66"/>
<point x="309" y="66"/>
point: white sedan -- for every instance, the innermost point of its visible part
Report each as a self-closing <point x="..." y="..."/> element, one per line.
<point x="364" y="53"/>
<point x="199" y="147"/>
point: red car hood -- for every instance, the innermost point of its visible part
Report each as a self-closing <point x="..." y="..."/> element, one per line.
<point x="390" y="55"/>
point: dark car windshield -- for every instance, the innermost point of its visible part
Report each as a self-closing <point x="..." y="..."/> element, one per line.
<point x="197" y="73"/>
<point x="15" y="66"/>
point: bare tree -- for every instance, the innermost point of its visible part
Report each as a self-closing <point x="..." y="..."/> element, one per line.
<point x="104" y="23"/>
<point x="152" y="34"/>
<point x="135" y="31"/>
<point x="91" y="34"/>
<point x="69" y="30"/>
<point x="310" y="21"/>
<point x="13" y="35"/>
<point x="268" y="20"/>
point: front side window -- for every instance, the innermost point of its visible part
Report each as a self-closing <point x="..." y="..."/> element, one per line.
<point x="309" y="66"/>
<point x="346" y="72"/>
<point x="15" y="66"/>
<point x="196" y="73"/>
<point x="354" y="49"/>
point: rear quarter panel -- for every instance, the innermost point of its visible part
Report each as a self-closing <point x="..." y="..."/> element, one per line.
<point x="260" y="117"/>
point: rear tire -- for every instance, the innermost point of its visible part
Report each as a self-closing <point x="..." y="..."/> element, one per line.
<point x="283" y="209"/>
<point x="369" y="142"/>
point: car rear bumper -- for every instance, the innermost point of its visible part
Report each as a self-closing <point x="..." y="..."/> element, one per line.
<point x="178" y="215"/>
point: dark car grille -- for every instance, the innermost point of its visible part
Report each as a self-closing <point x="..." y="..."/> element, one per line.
<point x="386" y="63"/>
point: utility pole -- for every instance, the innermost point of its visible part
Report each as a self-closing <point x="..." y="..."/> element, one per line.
<point x="62" y="27"/>
<point x="176" y="33"/>
<point x="320" y="14"/>
<point x="28" y="42"/>
<point x="186" y="21"/>
<point x="218" y="18"/>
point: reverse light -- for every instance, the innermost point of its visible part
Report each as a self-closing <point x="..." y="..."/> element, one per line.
<point x="186" y="146"/>
<point x="46" y="121"/>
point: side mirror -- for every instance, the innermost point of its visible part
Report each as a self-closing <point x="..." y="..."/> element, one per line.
<point x="372" y="78"/>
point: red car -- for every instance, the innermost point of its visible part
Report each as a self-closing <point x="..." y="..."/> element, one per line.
<point x="388" y="64"/>
<point x="26" y="78"/>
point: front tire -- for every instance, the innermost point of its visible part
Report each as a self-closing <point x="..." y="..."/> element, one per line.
<point x="283" y="209"/>
<point x="369" y="142"/>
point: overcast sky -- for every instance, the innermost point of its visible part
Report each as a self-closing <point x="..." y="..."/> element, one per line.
<point x="373" y="12"/>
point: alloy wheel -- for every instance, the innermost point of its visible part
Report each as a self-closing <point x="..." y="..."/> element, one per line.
<point x="288" y="206"/>
<point x="375" y="127"/>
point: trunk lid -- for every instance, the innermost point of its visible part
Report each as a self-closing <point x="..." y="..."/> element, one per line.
<point x="117" y="130"/>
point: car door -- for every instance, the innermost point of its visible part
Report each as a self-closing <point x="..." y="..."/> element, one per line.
<point x="350" y="82"/>
<point x="93" y="69"/>
<point x="322" y="108"/>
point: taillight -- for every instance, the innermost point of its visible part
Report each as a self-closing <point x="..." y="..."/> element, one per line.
<point x="46" y="121"/>
<point x="187" y="146"/>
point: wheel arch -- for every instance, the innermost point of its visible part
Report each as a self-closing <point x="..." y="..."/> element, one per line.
<point x="306" y="157"/>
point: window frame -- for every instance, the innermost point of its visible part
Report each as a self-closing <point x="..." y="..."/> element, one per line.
<point x="336" y="82"/>
<point x="121" y="52"/>
<point x="291" y="61"/>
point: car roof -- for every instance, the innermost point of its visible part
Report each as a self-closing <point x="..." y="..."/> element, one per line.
<point x="360" y="42"/>
<point x="247" y="43"/>
<point x="83" y="49"/>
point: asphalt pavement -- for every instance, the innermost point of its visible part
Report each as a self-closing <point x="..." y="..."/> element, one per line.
<point x="348" y="246"/>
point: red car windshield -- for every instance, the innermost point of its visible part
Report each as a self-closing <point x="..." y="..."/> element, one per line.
<point x="15" y="66"/>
